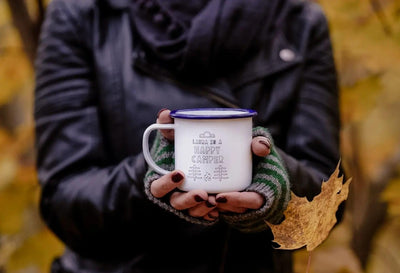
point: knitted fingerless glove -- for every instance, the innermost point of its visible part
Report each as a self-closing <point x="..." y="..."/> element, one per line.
<point x="163" y="154"/>
<point x="271" y="180"/>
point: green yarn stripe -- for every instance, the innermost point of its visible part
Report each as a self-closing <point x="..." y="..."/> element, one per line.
<point x="273" y="162"/>
<point x="167" y="161"/>
<point x="267" y="175"/>
<point x="163" y="150"/>
<point x="267" y="181"/>
<point x="156" y="143"/>
<point x="278" y="193"/>
<point x="271" y="172"/>
<point x="151" y="173"/>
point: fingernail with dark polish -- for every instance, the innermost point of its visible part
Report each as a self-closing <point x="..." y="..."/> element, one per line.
<point x="198" y="198"/>
<point x="209" y="205"/>
<point x="221" y="199"/>
<point x="177" y="177"/>
<point x="159" y="112"/>
<point x="267" y="144"/>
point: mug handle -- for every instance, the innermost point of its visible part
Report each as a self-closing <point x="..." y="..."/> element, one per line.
<point x="145" y="144"/>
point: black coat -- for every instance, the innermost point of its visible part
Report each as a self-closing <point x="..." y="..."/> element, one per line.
<point x="96" y="92"/>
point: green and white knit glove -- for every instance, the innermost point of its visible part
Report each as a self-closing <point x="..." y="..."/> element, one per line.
<point x="162" y="151"/>
<point x="271" y="180"/>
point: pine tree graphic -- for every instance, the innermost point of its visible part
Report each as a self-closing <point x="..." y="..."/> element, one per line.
<point x="194" y="172"/>
<point x="220" y="173"/>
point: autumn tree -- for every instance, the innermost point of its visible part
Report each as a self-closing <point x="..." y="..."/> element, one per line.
<point x="366" y="40"/>
<point x="27" y="23"/>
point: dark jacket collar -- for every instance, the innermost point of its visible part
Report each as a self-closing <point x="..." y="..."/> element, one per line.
<point x="117" y="4"/>
<point x="259" y="67"/>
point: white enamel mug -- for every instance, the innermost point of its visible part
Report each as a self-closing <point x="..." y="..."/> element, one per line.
<point x="212" y="148"/>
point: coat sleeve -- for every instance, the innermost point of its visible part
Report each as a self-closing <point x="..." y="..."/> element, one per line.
<point x="89" y="202"/>
<point x="312" y="148"/>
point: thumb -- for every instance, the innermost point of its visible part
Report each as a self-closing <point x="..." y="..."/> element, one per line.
<point x="261" y="146"/>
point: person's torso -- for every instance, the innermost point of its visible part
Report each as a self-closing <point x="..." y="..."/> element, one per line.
<point x="129" y="98"/>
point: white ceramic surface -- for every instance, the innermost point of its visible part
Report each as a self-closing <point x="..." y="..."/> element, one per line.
<point x="212" y="148"/>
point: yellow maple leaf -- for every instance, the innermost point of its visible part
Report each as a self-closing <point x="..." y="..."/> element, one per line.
<point x="309" y="223"/>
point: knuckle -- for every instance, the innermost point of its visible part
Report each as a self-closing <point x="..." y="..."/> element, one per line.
<point x="154" y="189"/>
<point x="196" y="214"/>
<point x="156" y="194"/>
<point x="176" y="205"/>
<point x="242" y="199"/>
<point x="164" y="117"/>
<point x="175" y="201"/>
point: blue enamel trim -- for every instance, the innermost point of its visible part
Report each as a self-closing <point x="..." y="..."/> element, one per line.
<point x="241" y="113"/>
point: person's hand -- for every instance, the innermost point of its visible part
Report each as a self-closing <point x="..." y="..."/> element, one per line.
<point x="163" y="117"/>
<point x="197" y="202"/>
<point x="238" y="202"/>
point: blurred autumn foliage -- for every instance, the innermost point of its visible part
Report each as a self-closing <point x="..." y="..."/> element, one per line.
<point x="25" y="243"/>
<point x="366" y="39"/>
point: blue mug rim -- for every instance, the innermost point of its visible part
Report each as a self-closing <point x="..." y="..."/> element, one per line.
<point x="188" y="113"/>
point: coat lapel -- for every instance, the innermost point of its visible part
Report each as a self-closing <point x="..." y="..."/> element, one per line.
<point x="280" y="56"/>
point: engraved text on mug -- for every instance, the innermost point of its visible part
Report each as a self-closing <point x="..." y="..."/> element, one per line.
<point x="206" y="151"/>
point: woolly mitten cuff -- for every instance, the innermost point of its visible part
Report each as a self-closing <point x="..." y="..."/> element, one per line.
<point x="271" y="180"/>
<point x="163" y="154"/>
